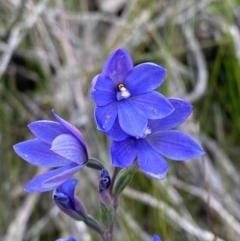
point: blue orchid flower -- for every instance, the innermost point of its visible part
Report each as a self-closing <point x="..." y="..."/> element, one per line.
<point x="158" y="142"/>
<point x="57" y="144"/>
<point x="127" y="93"/>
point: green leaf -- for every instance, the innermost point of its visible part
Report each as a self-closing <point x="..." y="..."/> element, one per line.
<point x="94" y="164"/>
<point x="123" y="178"/>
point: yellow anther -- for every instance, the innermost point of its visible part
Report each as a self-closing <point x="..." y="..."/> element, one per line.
<point x="122" y="87"/>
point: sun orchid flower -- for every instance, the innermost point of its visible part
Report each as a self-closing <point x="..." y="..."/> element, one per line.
<point x="127" y="93"/>
<point x="70" y="204"/>
<point x="155" y="238"/>
<point x="159" y="142"/>
<point x="57" y="144"/>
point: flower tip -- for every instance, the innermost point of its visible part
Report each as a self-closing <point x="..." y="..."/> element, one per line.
<point x="156" y="238"/>
<point x="201" y="152"/>
<point x="119" y="53"/>
<point x="53" y="112"/>
<point x="121" y="50"/>
<point x="27" y="189"/>
<point x="15" y="147"/>
<point x="18" y="149"/>
<point x="158" y="176"/>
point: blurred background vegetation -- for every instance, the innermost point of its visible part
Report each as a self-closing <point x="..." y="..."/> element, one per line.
<point x="49" y="52"/>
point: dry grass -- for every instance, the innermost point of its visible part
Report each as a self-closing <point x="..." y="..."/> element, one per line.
<point x="49" y="52"/>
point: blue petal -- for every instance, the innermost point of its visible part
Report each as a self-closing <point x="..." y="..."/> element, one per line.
<point x="70" y="148"/>
<point x="69" y="239"/>
<point x="123" y="153"/>
<point x="62" y="200"/>
<point x="103" y="90"/>
<point x="116" y="133"/>
<point x="52" y="179"/>
<point x="132" y="120"/>
<point x="182" y="109"/>
<point x="153" y="104"/>
<point x="156" y="238"/>
<point x="144" y="78"/>
<point x="175" y="145"/>
<point x="149" y="161"/>
<point x="47" y="131"/>
<point x="67" y="202"/>
<point x="68" y="188"/>
<point x="117" y="66"/>
<point x="105" y="116"/>
<point x="71" y="128"/>
<point x="38" y="153"/>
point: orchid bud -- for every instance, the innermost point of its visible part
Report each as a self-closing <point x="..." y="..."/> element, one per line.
<point x="103" y="189"/>
<point x="107" y="210"/>
<point x="65" y="199"/>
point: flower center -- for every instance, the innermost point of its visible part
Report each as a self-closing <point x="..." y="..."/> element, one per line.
<point x="121" y="87"/>
<point x="146" y="133"/>
<point x="123" y="93"/>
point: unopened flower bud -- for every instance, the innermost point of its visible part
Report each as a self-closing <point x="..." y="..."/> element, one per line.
<point x="107" y="210"/>
<point x="65" y="199"/>
<point x="103" y="189"/>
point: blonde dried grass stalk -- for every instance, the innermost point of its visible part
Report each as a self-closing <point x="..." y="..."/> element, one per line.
<point x="172" y="215"/>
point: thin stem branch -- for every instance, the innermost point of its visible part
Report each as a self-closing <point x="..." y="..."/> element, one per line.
<point x="115" y="172"/>
<point x="109" y="232"/>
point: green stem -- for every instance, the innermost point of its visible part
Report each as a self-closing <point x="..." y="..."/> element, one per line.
<point x="115" y="172"/>
<point x="110" y="230"/>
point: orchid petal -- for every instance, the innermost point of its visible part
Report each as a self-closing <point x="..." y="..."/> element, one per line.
<point x="132" y="120"/>
<point x="182" y="109"/>
<point x="70" y="148"/>
<point x="153" y="104"/>
<point x="175" y="145"/>
<point x="118" y="65"/>
<point x="116" y="133"/>
<point x="144" y="78"/>
<point x="149" y="161"/>
<point x="68" y="188"/>
<point x="156" y="238"/>
<point x="47" y="131"/>
<point x="123" y="153"/>
<point x="67" y="202"/>
<point x="70" y="128"/>
<point x="69" y="239"/>
<point x="52" y="179"/>
<point x="38" y="153"/>
<point x="105" y="116"/>
<point x="103" y="90"/>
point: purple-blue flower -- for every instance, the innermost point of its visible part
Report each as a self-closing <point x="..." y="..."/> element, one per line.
<point x="68" y="239"/>
<point x="70" y="204"/>
<point x="159" y="142"/>
<point x="155" y="238"/>
<point x="127" y="93"/>
<point x="57" y="144"/>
